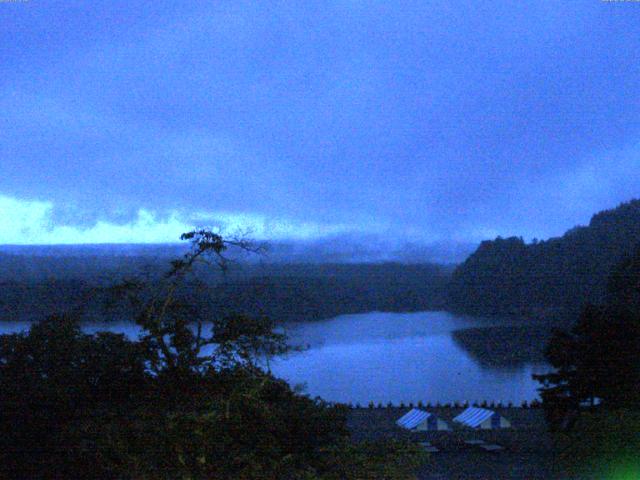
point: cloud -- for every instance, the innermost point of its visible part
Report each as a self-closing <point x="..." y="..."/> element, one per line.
<point x="30" y="222"/>
<point x="428" y="118"/>
<point x="22" y="220"/>
<point x="550" y="205"/>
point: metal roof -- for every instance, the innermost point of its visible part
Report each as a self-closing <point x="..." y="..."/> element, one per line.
<point x="474" y="416"/>
<point x="413" y="418"/>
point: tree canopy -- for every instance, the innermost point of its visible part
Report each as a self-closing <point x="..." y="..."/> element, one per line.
<point x="559" y="275"/>
<point x="599" y="358"/>
<point x="189" y="399"/>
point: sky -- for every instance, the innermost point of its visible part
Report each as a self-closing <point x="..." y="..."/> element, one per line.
<point x="424" y="120"/>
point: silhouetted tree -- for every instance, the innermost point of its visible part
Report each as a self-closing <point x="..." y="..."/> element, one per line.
<point x="599" y="358"/>
<point x="188" y="400"/>
<point x="54" y="382"/>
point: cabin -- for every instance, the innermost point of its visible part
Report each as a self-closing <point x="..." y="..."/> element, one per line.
<point x="482" y="418"/>
<point x="420" y="421"/>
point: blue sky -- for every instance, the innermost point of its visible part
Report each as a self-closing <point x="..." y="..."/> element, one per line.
<point x="428" y="120"/>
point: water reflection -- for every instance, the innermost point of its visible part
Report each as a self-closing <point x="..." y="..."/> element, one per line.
<point x="388" y="357"/>
<point x="396" y="357"/>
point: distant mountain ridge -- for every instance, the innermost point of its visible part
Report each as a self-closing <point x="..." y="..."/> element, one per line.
<point x="506" y="276"/>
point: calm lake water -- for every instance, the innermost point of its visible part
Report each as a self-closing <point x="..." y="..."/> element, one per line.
<point x="384" y="357"/>
<point x="399" y="357"/>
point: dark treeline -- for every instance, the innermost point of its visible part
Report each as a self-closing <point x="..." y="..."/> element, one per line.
<point x="279" y="291"/>
<point x="323" y="291"/>
<point x="505" y="276"/>
<point x="510" y="277"/>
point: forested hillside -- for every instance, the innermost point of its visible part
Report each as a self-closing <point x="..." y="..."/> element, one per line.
<point x="508" y="276"/>
<point x="282" y="292"/>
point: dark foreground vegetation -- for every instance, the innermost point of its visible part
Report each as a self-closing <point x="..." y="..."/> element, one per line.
<point x="181" y="402"/>
<point x="592" y="398"/>
<point x="80" y="406"/>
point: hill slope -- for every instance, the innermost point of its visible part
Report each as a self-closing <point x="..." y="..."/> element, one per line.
<point x="508" y="276"/>
<point x="282" y="292"/>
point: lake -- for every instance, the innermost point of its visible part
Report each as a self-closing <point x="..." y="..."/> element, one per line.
<point x="400" y="357"/>
<point x="386" y="357"/>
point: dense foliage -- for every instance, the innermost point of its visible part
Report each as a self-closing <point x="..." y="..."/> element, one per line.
<point x="508" y="276"/>
<point x="187" y="400"/>
<point x="599" y="358"/>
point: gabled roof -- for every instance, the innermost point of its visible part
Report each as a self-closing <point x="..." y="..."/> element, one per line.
<point x="474" y="416"/>
<point x="413" y="418"/>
